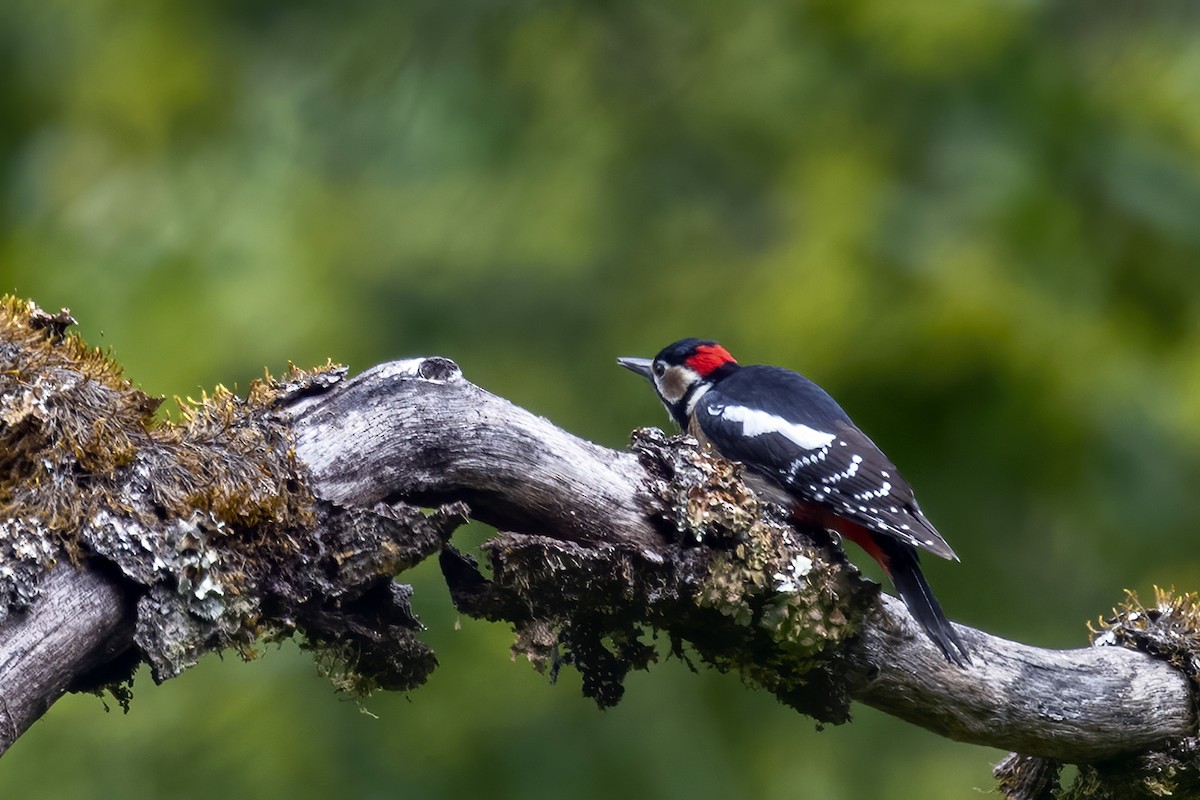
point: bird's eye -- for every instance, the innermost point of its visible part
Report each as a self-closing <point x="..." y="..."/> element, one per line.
<point x="659" y="369"/>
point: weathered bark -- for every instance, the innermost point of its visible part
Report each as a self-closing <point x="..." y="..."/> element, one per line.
<point x="1078" y="705"/>
<point x="602" y="545"/>
<point x="417" y="430"/>
<point x="82" y="621"/>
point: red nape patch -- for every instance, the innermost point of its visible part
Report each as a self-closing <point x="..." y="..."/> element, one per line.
<point x="709" y="357"/>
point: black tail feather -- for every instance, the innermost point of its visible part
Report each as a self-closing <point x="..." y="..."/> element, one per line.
<point x="905" y="571"/>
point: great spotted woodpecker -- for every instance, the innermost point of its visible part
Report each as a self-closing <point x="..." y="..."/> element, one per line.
<point x="802" y="451"/>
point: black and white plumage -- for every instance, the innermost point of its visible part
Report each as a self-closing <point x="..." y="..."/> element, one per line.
<point x="806" y="453"/>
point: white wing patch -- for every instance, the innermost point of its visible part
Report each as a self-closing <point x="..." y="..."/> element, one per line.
<point x="755" y="423"/>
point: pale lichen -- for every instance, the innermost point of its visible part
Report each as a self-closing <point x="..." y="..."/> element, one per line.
<point x="26" y="552"/>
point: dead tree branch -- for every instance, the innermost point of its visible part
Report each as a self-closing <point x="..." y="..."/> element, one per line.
<point x="288" y="514"/>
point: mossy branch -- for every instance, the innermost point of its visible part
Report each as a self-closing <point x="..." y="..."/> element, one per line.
<point x="289" y="512"/>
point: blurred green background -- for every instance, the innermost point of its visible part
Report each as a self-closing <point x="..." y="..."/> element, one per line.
<point x="974" y="222"/>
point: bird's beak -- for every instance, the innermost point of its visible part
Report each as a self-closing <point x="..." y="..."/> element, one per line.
<point x="639" y="365"/>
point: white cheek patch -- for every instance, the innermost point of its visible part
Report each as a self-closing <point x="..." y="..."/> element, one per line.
<point x="674" y="383"/>
<point x="755" y="422"/>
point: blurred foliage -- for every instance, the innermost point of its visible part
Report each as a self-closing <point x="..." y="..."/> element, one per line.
<point x="975" y="223"/>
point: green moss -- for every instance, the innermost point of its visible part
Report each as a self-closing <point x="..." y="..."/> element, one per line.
<point x="64" y="410"/>
<point x="201" y="510"/>
<point x="68" y="423"/>
<point x="792" y="602"/>
<point x="1169" y="629"/>
<point x="762" y="573"/>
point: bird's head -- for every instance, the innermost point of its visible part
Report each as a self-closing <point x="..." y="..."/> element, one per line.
<point x="682" y="372"/>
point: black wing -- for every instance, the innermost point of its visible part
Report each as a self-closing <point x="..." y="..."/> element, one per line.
<point x="815" y="454"/>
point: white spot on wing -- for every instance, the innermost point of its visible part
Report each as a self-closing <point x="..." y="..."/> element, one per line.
<point x="756" y="422"/>
<point x="849" y="472"/>
<point x="872" y="493"/>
